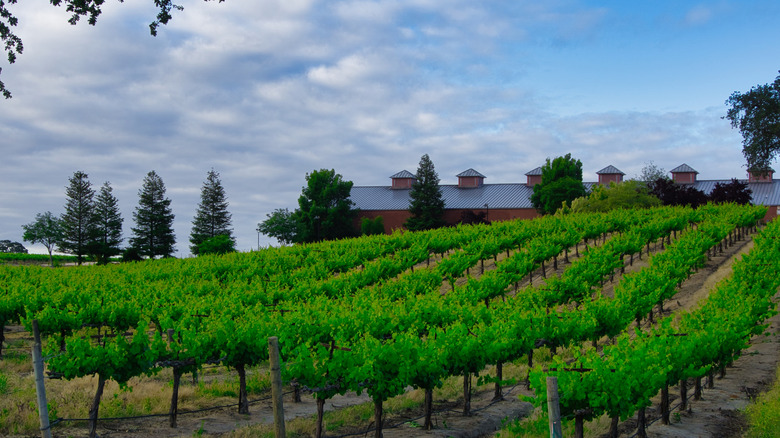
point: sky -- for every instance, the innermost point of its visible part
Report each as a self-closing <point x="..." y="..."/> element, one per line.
<point x="266" y="91"/>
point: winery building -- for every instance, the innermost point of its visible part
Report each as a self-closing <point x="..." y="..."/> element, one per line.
<point x="504" y="201"/>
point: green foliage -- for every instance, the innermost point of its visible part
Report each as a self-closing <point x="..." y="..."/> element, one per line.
<point x="46" y="230"/>
<point x="561" y="182"/>
<point x="6" y="246"/>
<point x="153" y="234"/>
<point x="756" y="114"/>
<point x="370" y="227"/>
<point x="221" y="244"/>
<point x="107" y="226"/>
<point x="212" y="218"/>
<point x="78" y="219"/>
<point x="281" y="225"/>
<point x="426" y="205"/>
<point x="627" y="194"/>
<point x="324" y="209"/>
<point x="131" y="254"/>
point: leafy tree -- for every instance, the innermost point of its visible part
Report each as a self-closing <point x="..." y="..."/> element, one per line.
<point x="671" y="193"/>
<point x="735" y="191"/>
<point x="221" y="244"/>
<point x="153" y="232"/>
<point x="369" y="227"/>
<point x="46" y="230"/>
<point x="90" y="9"/>
<point x="131" y="254"/>
<point x="324" y="209"/>
<point x="107" y="226"/>
<point x="650" y="174"/>
<point x="8" y="247"/>
<point x="426" y="205"/>
<point x="78" y="219"/>
<point x="281" y="225"/>
<point x="561" y="182"/>
<point x="212" y="218"/>
<point x="756" y="114"/>
<point x="627" y="194"/>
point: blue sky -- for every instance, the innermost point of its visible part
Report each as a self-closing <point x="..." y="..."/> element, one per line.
<point x="266" y="91"/>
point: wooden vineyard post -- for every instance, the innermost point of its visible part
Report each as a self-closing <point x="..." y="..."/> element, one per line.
<point x="40" y="388"/>
<point x="554" y="408"/>
<point x="276" y="386"/>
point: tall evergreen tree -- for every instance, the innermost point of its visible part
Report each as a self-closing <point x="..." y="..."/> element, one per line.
<point x="427" y="204"/>
<point x="77" y="221"/>
<point x="324" y="209"/>
<point x="107" y="225"/>
<point x="153" y="232"/>
<point x="212" y="218"/>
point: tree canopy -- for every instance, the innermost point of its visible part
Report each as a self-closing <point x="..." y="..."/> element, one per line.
<point x="281" y="225"/>
<point x="78" y="220"/>
<point x="671" y="193"/>
<point x="89" y="9"/>
<point x="627" y="194"/>
<point x="212" y="218"/>
<point x="756" y="113"/>
<point x="324" y="209"/>
<point x="46" y="230"/>
<point x="6" y="246"/>
<point x="561" y="182"/>
<point x="735" y="191"/>
<point x="106" y="226"/>
<point x="153" y="232"/>
<point x="426" y="205"/>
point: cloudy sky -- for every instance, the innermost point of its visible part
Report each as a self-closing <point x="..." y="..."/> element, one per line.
<point x="265" y="91"/>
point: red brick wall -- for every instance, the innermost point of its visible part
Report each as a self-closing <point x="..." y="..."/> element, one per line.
<point x="469" y="181"/>
<point x="533" y="180"/>
<point x="607" y="178"/>
<point x="684" y="177"/>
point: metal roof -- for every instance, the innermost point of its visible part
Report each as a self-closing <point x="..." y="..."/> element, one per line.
<point x="495" y="195"/>
<point x="534" y="172"/>
<point x="764" y="193"/>
<point x="470" y="172"/>
<point x="404" y="174"/>
<point x="515" y="195"/>
<point x="683" y="168"/>
<point x="610" y="170"/>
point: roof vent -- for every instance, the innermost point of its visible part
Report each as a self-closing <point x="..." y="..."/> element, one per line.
<point x="470" y="179"/>
<point x="610" y="174"/>
<point x="534" y="177"/>
<point x="684" y="174"/>
<point x="403" y="180"/>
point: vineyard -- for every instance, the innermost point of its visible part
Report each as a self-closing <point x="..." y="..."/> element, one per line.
<point x="380" y="314"/>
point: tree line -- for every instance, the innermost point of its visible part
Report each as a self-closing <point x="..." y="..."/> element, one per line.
<point x="325" y="211"/>
<point x="91" y="225"/>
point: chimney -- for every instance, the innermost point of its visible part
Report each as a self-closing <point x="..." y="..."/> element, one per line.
<point x="684" y="174"/>
<point x="403" y="180"/>
<point x="470" y="179"/>
<point x="610" y="174"/>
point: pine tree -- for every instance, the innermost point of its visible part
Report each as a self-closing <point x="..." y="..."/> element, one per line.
<point x="324" y="209"/>
<point x="77" y="221"/>
<point x="212" y="218"/>
<point x="427" y="204"/>
<point x="153" y="234"/>
<point x="107" y="230"/>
